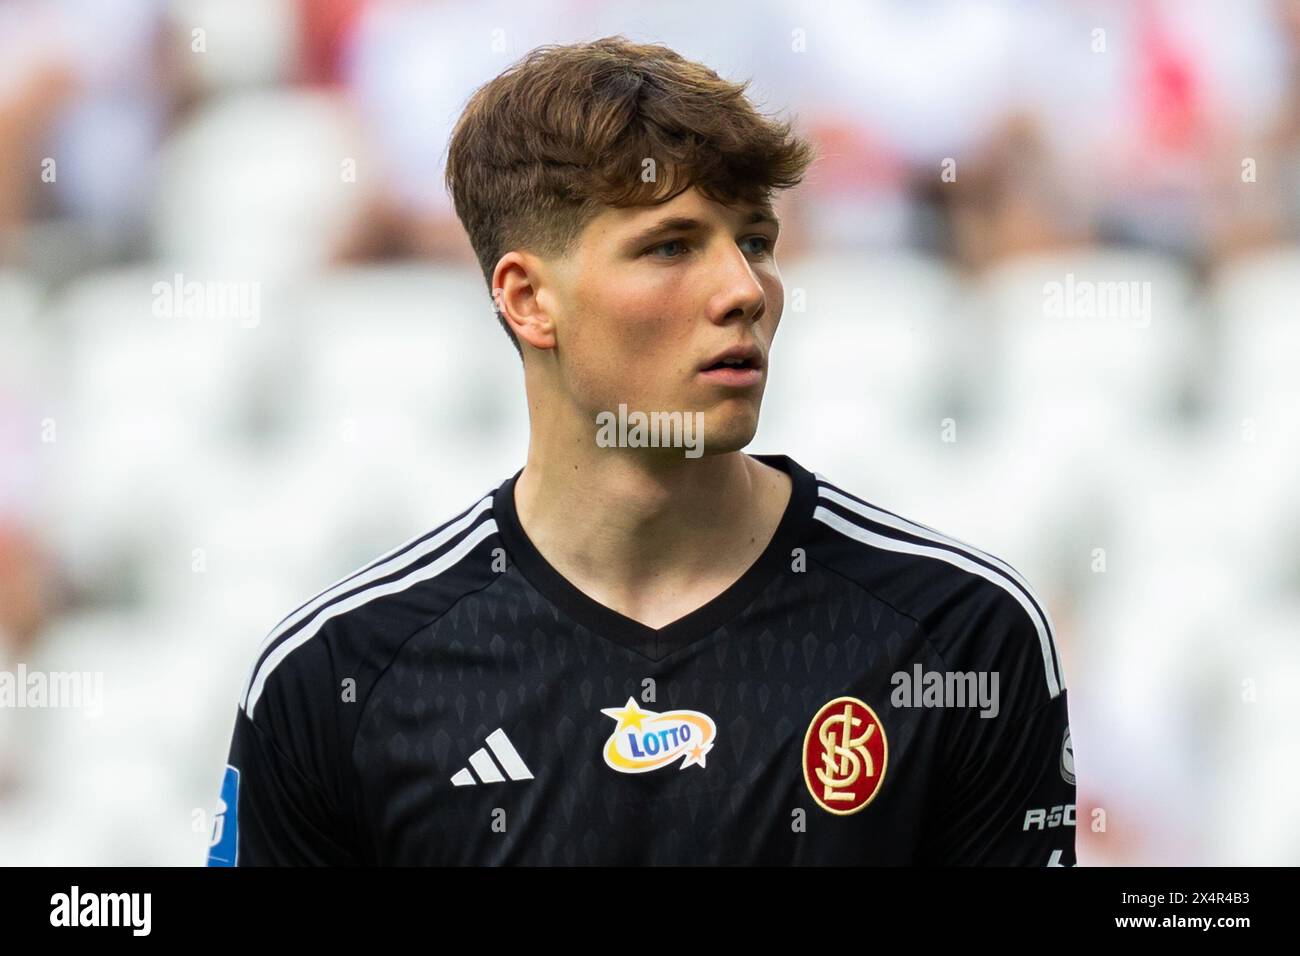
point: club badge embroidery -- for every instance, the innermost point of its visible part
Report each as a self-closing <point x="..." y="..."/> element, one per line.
<point x="845" y="754"/>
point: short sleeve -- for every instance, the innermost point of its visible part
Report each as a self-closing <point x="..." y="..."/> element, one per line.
<point x="1004" y="790"/>
<point x="270" y="813"/>
<point x="1012" y="803"/>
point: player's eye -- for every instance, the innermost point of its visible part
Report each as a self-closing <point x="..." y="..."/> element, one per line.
<point x="671" y="243"/>
<point x="676" y="248"/>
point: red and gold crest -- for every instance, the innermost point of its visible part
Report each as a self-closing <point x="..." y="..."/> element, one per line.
<point x="844" y="755"/>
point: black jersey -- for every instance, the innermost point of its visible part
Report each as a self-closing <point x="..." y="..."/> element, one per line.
<point x="869" y="692"/>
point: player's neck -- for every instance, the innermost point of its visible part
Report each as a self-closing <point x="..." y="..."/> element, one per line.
<point x="652" y="537"/>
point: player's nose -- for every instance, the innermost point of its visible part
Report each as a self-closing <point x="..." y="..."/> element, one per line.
<point x="738" y="294"/>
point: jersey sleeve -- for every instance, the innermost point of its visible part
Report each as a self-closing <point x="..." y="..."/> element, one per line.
<point x="1013" y="804"/>
<point x="1007" y="796"/>
<point x="270" y="813"/>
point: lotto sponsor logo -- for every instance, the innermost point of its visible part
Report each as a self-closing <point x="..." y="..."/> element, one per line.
<point x="645" y="740"/>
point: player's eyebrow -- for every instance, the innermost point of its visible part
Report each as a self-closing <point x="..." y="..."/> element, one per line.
<point x="760" y="214"/>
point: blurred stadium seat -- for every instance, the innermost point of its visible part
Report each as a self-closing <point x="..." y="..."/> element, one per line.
<point x="255" y="185"/>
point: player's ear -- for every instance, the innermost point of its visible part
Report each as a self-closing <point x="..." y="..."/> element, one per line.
<point x="519" y="297"/>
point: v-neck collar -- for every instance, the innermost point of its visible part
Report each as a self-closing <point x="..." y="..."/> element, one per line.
<point x="657" y="643"/>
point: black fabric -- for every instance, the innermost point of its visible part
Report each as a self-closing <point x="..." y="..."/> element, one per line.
<point x="458" y="702"/>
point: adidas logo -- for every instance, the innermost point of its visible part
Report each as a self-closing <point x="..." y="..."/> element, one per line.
<point x="487" y="771"/>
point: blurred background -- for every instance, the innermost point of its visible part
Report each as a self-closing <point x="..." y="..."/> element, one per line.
<point x="1043" y="293"/>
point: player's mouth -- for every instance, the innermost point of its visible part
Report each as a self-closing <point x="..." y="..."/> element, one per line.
<point x="738" y="367"/>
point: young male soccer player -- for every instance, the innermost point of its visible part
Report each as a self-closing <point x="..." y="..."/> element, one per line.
<point x="633" y="653"/>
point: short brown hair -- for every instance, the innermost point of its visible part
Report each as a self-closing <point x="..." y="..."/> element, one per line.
<point x="567" y="129"/>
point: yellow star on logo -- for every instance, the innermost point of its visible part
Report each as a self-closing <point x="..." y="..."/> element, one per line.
<point x="629" y="715"/>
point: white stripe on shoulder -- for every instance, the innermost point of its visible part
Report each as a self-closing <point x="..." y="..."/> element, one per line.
<point x="438" y="528"/>
<point x="880" y="516"/>
<point x="432" y="570"/>
<point x="383" y="567"/>
<point x="851" y="530"/>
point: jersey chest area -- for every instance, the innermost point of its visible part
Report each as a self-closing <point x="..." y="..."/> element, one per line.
<point x="548" y="745"/>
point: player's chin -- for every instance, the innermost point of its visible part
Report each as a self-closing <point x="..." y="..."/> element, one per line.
<point x="729" y="428"/>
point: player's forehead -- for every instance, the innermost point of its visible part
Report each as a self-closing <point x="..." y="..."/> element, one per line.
<point x="688" y="210"/>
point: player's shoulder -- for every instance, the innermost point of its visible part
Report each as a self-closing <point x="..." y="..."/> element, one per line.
<point x="977" y="609"/>
<point x="352" y="629"/>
